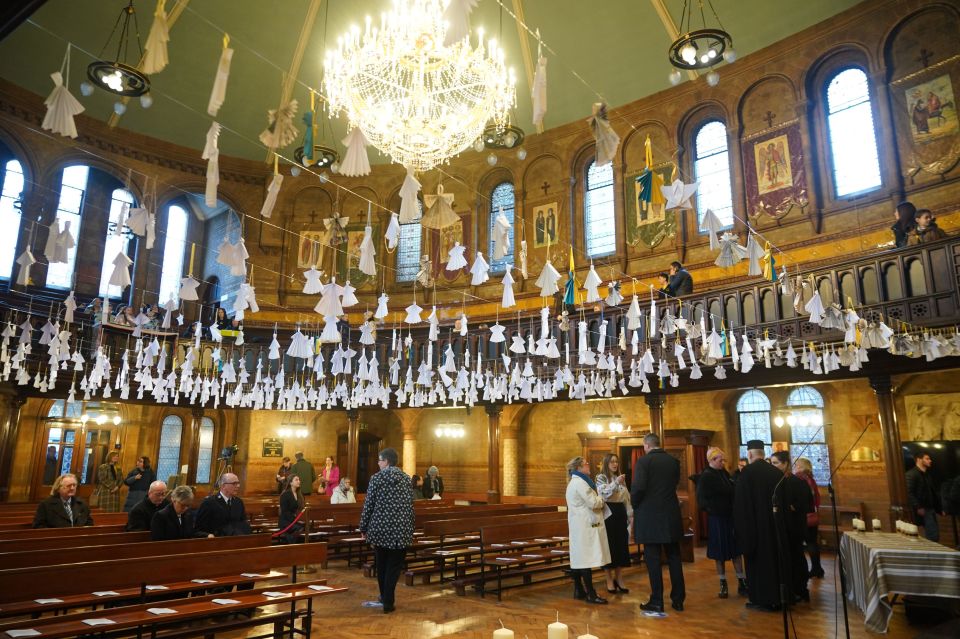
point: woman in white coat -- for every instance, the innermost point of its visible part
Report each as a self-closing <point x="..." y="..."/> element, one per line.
<point x="588" y="537"/>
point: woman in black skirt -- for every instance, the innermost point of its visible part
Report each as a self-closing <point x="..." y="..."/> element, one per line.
<point x="612" y="487"/>
<point x="715" y="495"/>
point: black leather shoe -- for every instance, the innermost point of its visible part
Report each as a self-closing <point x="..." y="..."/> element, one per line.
<point x="595" y="599"/>
<point x="724" y="592"/>
<point x="388" y="609"/>
<point x="742" y="587"/>
<point x="764" y="608"/>
<point x="612" y="591"/>
<point x="677" y="605"/>
<point x="622" y="590"/>
<point x="651" y="607"/>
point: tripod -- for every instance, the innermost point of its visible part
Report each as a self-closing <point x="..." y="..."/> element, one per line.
<point x="223" y="466"/>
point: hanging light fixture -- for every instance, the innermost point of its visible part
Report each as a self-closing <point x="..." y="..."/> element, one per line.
<point x="116" y="76"/>
<point x="415" y="99"/>
<point x="315" y="152"/>
<point x="505" y="137"/>
<point x="701" y="48"/>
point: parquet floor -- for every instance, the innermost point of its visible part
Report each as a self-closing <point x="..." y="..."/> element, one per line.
<point x="428" y="611"/>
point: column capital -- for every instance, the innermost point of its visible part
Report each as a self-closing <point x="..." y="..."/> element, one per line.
<point x="197" y="412"/>
<point x="881" y="384"/>
<point x="353" y="414"/>
<point x="655" y="400"/>
<point x="493" y="410"/>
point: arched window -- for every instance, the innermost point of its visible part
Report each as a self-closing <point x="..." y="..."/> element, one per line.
<point x="807" y="430"/>
<point x="174" y="248"/>
<point x="408" y="251"/>
<point x="711" y="167"/>
<point x="115" y="244"/>
<point x="205" y="453"/>
<point x="753" y="414"/>
<point x="853" y="139"/>
<point x="501" y="199"/>
<point x="600" y="229"/>
<point x="11" y="190"/>
<point x="73" y="189"/>
<point x="168" y="457"/>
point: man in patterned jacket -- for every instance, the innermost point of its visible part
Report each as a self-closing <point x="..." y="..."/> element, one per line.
<point x="387" y="524"/>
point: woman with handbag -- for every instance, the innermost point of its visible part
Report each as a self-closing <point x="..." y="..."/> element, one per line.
<point x="803" y="469"/>
<point x="109" y="480"/>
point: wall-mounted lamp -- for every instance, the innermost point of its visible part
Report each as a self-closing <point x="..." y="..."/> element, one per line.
<point x="605" y="423"/>
<point x="450" y="432"/>
<point x="292" y="433"/>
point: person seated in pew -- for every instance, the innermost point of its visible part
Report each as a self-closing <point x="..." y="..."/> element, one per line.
<point x="417" y="483"/>
<point x="291" y="503"/>
<point x="175" y="520"/>
<point x="142" y="514"/>
<point x="433" y="485"/>
<point x="62" y="509"/>
<point x="223" y="514"/>
<point x="344" y="493"/>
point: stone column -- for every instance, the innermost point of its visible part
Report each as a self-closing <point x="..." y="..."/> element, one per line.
<point x="511" y="458"/>
<point x="493" y="453"/>
<point x="192" y="451"/>
<point x="410" y="433"/>
<point x="10" y="405"/>
<point x="353" y="443"/>
<point x="892" y="448"/>
<point x="656" y="401"/>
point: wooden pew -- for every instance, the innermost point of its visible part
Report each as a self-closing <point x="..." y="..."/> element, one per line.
<point x="131" y="550"/>
<point x="42" y="542"/>
<point x="77" y="531"/>
<point x="99" y="519"/>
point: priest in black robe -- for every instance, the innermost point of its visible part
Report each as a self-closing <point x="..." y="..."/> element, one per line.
<point x="794" y="500"/>
<point x="756" y="528"/>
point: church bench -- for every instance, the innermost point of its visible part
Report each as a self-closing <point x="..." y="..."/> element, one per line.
<point x="191" y="610"/>
<point x="130" y="550"/>
<point x="43" y="542"/>
<point x="26" y="522"/>
<point x="27" y="533"/>
<point x="92" y="576"/>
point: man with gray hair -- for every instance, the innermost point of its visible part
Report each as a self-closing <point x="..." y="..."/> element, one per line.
<point x="176" y="520"/>
<point x="223" y="514"/>
<point x="656" y="521"/>
<point x="141" y="515"/>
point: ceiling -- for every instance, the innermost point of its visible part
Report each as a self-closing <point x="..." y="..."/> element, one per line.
<point x="617" y="47"/>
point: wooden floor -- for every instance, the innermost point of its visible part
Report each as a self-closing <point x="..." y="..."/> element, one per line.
<point x="427" y="611"/>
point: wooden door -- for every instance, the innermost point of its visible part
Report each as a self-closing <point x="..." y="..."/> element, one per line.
<point x="72" y="449"/>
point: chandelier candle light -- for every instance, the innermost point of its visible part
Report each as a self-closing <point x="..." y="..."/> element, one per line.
<point x="415" y="99"/>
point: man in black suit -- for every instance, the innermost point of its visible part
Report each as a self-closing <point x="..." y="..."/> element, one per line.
<point x="223" y="514"/>
<point x="175" y="521"/>
<point x="141" y="515"/>
<point x="656" y="520"/>
<point x="62" y="509"/>
<point x="681" y="282"/>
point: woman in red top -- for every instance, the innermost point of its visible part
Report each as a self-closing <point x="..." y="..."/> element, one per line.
<point x="803" y="469"/>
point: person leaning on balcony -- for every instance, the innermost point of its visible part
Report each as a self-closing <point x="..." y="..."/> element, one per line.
<point x="926" y="230"/>
<point x="905" y="216"/>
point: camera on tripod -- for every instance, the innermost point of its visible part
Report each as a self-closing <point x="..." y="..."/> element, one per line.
<point x="226" y="454"/>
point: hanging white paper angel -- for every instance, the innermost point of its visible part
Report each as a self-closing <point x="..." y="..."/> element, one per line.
<point x="211" y="153"/>
<point x="155" y="57"/>
<point x="424" y="276"/>
<point x="392" y="236"/>
<point x="457" y="18"/>
<point x="815" y="308"/>
<point x="61" y="108"/>
<point x="455" y="258"/>
<point x="439" y="210"/>
<point x="26" y="260"/>
<point x="188" y="289"/>
<point x="59" y="243"/>
<point x="712" y="225"/>
<point x="508" y="299"/>
<point x="523" y="259"/>
<point x="137" y="220"/>
<point x="347" y="296"/>
<point x="634" y="314"/>
<point x="382" y="311"/>
<point x="496" y="334"/>
<point x="280" y="130"/>
<point x="731" y="251"/>
<point x="313" y="284"/>
<point x="501" y="236"/>
<point x="479" y="270"/>
<point x="121" y="270"/>
<point x="368" y="263"/>
<point x="678" y="194"/>
<point x="336" y="226"/>
<point x="218" y="92"/>
<point x="539" y="92"/>
<point x="410" y="210"/>
<point x="754" y="253"/>
<point x="355" y="161"/>
<point x="413" y="314"/>
<point x="614" y="296"/>
<point x="69" y="306"/>
<point x="606" y="138"/>
<point x="330" y="304"/>
<point x="591" y="283"/>
<point x="271" y="198"/>
<point x="547" y="282"/>
<point x="434" y="322"/>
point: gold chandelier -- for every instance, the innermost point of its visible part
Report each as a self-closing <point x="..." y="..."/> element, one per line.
<point x="415" y="99"/>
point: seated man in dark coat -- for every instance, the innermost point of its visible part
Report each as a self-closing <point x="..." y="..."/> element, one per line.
<point x="175" y="521"/>
<point x="62" y="509"/>
<point x="681" y="282"/>
<point x="142" y="514"/>
<point x="223" y="514"/>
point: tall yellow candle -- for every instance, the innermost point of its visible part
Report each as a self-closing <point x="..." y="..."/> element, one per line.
<point x="193" y="250"/>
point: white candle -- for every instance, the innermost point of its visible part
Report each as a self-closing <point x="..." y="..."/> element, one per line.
<point x="503" y="633"/>
<point x="557" y="630"/>
<point x="876" y="524"/>
<point x="588" y="636"/>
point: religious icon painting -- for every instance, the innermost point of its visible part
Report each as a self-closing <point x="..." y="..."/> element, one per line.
<point x="651" y="224"/>
<point x="932" y="110"/>
<point x="348" y="256"/>
<point x="773" y="165"/>
<point x="546" y="224"/>
<point x="311" y="248"/>
<point x="773" y="171"/>
<point x="443" y="240"/>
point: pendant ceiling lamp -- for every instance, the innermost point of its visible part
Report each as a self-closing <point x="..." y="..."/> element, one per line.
<point x="702" y="48"/>
<point x="415" y="97"/>
<point x="116" y="75"/>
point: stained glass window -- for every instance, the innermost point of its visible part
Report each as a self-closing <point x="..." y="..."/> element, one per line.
<point x="168" y="459"/>
<point x="205" y="454"/>
<point x="853" y="138"/>
<point x="753" y="412"/>
<point x="408" y="251"/>
<point x="598" y="211"/>
<point x="11" y="189"/>
<point x="501" y="198"/>
<point x="711" y="166"/>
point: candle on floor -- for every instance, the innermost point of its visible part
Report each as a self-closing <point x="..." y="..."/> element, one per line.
<point x="588" y="635"/>
<point x="502" y="632"/>
<point x="877" y="526"/>
<point x="557" y="630"/>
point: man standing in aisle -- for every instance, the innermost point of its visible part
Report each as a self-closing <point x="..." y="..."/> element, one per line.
<point x="386" y="522"/>
<point x="756" y="528"/>
<point x="924" y="497"/>
<point x="304" y="470"/>
<point x="656" y="520"/>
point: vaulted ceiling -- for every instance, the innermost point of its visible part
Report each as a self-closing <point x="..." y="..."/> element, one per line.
<point x="614" y="48"/>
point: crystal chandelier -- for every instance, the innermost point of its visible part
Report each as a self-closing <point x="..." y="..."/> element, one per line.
<point x="416" y="100"/>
